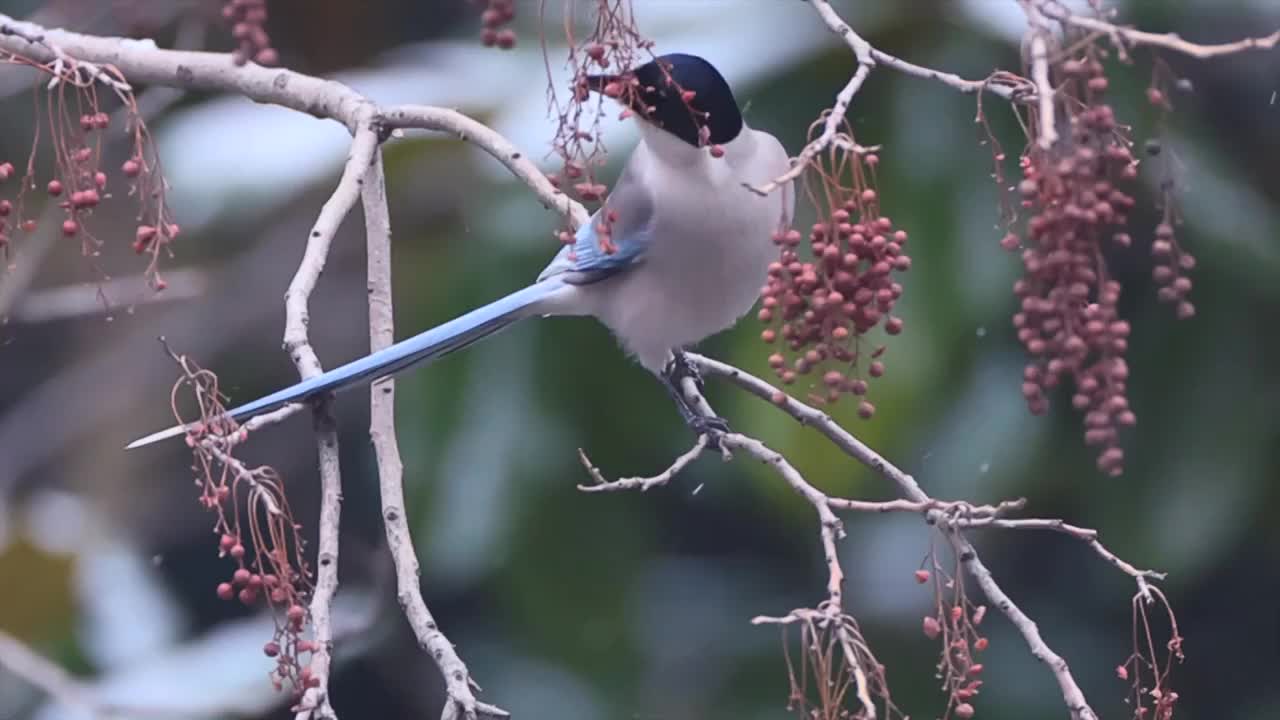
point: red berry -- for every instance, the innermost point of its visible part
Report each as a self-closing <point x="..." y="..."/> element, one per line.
<point x="55" y="187"/>
<point x="225" y="591"/>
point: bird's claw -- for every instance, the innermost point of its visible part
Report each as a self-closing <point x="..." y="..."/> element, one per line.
<point x="712" y="428"/>
<point x="679" y="367"/>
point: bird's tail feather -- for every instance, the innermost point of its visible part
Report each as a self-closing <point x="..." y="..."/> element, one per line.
<point x="430" y="344"/>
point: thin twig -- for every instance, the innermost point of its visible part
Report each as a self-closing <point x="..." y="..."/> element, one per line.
<point x="1168" y="41"/>
<point x="836" y="114"/>
<point x="470" y="130"/>
<point x="1039" y="47"/>
<point x="832" y="529"/>
<point x="639" y="483"/>
<point x="1003" y="85"/>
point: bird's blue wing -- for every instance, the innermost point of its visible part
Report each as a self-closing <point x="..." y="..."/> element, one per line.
<point x="586" y="260"/>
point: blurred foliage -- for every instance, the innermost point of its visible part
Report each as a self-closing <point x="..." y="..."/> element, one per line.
<point x="570" y="605"/>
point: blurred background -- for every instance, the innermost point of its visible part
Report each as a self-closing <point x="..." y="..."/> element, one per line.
<point x="632" y="606"/>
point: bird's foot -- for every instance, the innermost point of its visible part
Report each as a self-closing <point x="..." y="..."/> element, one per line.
<point x="713" y="428"/>
<point x="709" y="426"/>
<point x="678" y="368"/>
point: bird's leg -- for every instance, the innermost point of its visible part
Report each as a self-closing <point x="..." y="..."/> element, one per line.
<point x="673" y="375"/>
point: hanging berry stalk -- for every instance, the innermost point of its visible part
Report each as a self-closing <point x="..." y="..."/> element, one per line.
<point x="1078" y="192"/>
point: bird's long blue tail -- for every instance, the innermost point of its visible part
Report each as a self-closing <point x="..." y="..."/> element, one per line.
<point x="436" y="342"/>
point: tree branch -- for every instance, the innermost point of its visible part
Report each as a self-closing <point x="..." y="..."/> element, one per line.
<point x="1038" y="38"/>
<point x="315" y="702"/>
<point x="464" y="128"/>
<point x="1168" y="41"/>
<point x="382" y="433"/>
<point x="1005" y="85"/>
<point x="908" y="487"/>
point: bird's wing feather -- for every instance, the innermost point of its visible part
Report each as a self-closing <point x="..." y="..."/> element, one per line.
<point x="586" y="260"/>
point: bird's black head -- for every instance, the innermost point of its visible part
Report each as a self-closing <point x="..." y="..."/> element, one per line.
<point x="682" y="94"/>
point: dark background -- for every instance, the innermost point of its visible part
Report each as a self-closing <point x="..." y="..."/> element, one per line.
<point x="637" y="606"/>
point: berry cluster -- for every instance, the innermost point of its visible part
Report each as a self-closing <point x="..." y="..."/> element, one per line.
<point x="821" y="307"/>
<point x="956" y="623"/>
<point x="249" y="587"/>
<point x="1067" y="319"/>
<point x="492" y="21"/>
<point x="81" y="185"/>
<point x="248" y="20"/>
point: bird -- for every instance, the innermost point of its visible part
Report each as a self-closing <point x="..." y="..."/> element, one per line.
<point x="677" y="251"/>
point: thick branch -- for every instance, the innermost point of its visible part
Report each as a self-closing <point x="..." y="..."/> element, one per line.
<point x="144" y="63"/>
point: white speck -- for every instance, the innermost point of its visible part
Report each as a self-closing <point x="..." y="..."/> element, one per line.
<point x="982" y="331"/>
<point x="697" y="489"/>
<point x="984" y="468"/>
<point x="1273" y="97"/>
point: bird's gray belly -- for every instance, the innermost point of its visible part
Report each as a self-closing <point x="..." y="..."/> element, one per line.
<point x="696" y="289"/>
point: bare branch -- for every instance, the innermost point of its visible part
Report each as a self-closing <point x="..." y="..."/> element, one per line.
<point x="806" y="415"/>
<point x="1168" y="41"/>
<point x="1004" y="85"/>
<point x="639" y="483"/>
<point x="144" y="63"/>
<point x="832" y="528"/>
<point x="1001" y="84"/>
<point x="315" y="702"/>
<point x="1087" y="535"/>
<point x="455" y="123"/>
<point x="382" y="433"/>
<point x="1039" y="49"/>
<point x="965" y="512"/>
